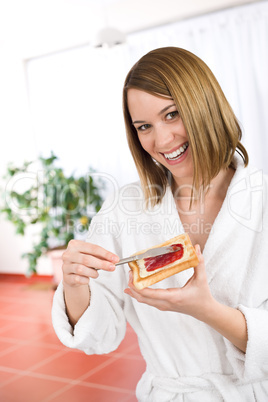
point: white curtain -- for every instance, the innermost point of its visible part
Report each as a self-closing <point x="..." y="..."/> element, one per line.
<point x="234" y="44"/>
<point x="76" y="102"/>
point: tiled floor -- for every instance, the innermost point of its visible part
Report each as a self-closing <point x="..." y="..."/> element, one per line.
<point x="36" y="367"/>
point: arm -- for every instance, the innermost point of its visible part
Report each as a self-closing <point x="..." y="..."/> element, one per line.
<point x="77" y="300"/>
<point x="196" y="300"/>
<point x="229" y="322"/>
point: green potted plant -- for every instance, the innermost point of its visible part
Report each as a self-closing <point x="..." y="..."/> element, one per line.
<point x="60" y="206"/>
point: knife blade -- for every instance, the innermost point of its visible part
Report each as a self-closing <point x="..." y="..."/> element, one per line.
<point x="153" y="252"/>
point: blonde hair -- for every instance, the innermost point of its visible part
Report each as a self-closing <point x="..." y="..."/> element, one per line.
<point x="213" y="131"/>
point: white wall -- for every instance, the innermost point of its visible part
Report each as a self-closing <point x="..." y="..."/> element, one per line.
<point x="17" y="145"/>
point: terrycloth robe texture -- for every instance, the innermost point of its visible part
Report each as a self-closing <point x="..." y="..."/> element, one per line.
<point x="186" y="359"/>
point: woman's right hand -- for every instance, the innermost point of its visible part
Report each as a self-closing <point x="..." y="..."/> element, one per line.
<point x="82" y="260"/>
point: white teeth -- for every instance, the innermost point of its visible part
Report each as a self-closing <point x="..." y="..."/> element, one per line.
<point x="178" y="152"/>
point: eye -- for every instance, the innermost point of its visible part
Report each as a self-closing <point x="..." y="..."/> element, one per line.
<point x="144" y="127"/>
<point x="172" y="115"/>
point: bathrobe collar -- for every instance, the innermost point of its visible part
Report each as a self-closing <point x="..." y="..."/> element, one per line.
<point x="234" y="211"/>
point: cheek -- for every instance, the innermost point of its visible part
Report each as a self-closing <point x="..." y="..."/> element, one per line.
<point x="145" y="143"/>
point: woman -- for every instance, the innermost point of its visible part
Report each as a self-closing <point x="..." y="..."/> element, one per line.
<point x="203" y="332"/>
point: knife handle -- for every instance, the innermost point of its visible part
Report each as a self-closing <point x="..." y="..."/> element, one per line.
<point x="126" y="260"/>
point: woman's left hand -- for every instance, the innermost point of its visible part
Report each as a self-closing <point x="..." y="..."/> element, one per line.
<point x="194" y="298"/>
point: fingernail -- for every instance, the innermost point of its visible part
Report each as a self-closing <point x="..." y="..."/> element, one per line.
<point x="127" y="292"/>
<point x="114" y="259"/>
<point x="111" y="267"/>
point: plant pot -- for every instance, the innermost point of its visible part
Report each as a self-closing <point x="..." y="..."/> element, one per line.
<point x="55" y="257"/>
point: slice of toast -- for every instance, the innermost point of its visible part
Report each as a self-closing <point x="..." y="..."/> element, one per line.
<point x="145" y="275"/>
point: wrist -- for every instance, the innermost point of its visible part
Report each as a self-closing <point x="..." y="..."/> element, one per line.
<point x="77" y="293"/>
<point x="207" y="310"/>
<point x="74" y="287"/>
<point x="77" y="300"/>
<point x="211" y="312"/>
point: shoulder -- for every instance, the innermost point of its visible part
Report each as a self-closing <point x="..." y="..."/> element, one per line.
<point x="248" y="184"/>
<point x="257" y="179"/>
<point x="254" y="176"/>
<point x="250" y="187"/>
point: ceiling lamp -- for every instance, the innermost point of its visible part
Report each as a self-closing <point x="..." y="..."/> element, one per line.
<point x="108" y="37"/>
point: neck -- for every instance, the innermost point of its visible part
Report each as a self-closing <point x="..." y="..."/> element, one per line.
<point x="183" y="188"/>
<point x="219" y="184"/>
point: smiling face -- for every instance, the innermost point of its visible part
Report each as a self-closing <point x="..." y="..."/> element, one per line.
<point x="160" y="80"/>
<point x="161" y="132"/>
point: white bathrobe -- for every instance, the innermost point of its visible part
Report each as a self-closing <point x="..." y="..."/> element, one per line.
<point x="186" y="359"/>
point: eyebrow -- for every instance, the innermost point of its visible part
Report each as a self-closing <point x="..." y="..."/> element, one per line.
<point x="161" y="111"/>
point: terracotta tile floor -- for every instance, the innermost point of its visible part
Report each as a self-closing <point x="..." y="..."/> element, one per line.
<point x="36" y="367"/>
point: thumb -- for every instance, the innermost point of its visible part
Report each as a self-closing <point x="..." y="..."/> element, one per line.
<point x="200" y="268"/>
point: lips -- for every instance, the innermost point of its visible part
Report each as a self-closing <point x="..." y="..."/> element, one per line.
<point x="177" y="154"/>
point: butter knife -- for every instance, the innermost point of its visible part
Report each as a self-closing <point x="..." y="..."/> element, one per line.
<point x="153" y="252"/>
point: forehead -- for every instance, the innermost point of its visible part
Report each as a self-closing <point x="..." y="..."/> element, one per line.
<point x="141" y="103"/>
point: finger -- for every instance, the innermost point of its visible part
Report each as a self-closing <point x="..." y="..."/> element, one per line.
<point x="158" y="298"/>
<point x="77" y="274"/>
<point x="74" y="279"/>
<point x="156" y="294"/>
<point x="81" y="270"/>
<point x="91" y="261"/>
<point x="92" y="249"/>
<point x="200" y="270"/>
<point x="81" y="280"/>
<point x="198" y="252"/>
<point x="147" y="293"/>
<point x="160" y="304"/>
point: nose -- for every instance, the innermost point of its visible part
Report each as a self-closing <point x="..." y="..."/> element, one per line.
<point x="163" y="137"/>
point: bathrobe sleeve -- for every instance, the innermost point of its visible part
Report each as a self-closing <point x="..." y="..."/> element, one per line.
<point x="102" y="326"/>
<point x="252" y="287"/>
<point x="253" y="364"/>
<point x="256" y="365"/>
